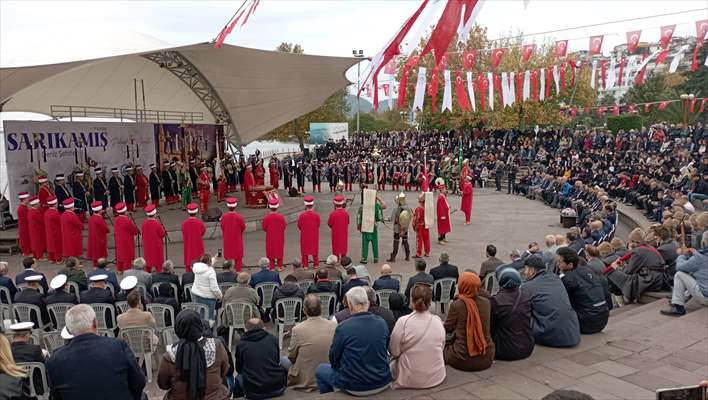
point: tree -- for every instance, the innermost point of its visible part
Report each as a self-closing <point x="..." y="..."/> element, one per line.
<point x="334" y="109"/>
<point x="660" y="87"/>
<point x="697" y="82"/>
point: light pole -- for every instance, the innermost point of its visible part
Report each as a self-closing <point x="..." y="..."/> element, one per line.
<point x="686" y="98"/>
<point x="358" y="54"/>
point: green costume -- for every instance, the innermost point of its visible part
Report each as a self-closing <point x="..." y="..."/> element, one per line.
<point x="185" y="182"/>
<point x="370" y="237"/>
<point x="76" y="275"/>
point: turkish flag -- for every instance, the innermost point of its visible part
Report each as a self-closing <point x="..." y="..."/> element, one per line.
<point x="693" y="104"/>
<point x="462" y="98"/>
<point x="661" y="57"/>
<point x="572" y="66"/>
<point x="527" y="52"/>
<point x="390" y="67"/>
<point x="630" y="108"/>
<point x="623" y="63"/>
<point x="647" y="108"/>
<point x="497" y="55"/>
<point x="701" y="30"/>
<point x="633" y="40"/>
<point x="434" y="89"/>
<point x="601" y="111"/>
<point x="640" y="76"/>
<point x="385" y="89"/>
<point x="573" y="112"/>
<point x="443" y="61"/>
<point x="667" y="32"/>
<point x="561" y="48"/>
<point x="470" y="58"/>
<point x="662" y="105"/>
<point x="482" y="85"/>
<point x="595" y="45"/>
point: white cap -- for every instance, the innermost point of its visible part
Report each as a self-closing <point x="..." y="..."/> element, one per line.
<point x="65" y="334"/>
<point x="33" y="278"/>
<point x="129" y="282"/>
<point x="58" y="281"/>
<point x="98" y="278"/>
<point x="22" y="326"/>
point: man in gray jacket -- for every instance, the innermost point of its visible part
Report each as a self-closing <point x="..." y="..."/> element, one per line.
<point x="691" y="279"/>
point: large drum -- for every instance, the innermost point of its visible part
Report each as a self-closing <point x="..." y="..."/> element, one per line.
<point x="255" y="197"/>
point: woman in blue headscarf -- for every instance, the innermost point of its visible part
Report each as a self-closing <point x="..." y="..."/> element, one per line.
<point x="511" y="318"/>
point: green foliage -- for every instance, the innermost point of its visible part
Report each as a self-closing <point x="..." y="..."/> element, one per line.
<point x="697" y="83"/>
<point x="660" y="87"/>
<point x="624" y="122"/>
<point x="386" y="120"/>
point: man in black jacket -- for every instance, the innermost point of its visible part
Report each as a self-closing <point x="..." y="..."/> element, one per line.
<point x="31" y="295"/>
<point x="59" y="293"/>
<point x="445" y="270"/>
<point x="168" y="275"/>
<point x="289" y="288"/>
<point x="23" y="351"/>
<point x="262" y="372"/>
<point x="588" y="292"/>
<point x="511" y="318"/>
<point x="93" y="367"/>
<point x="420" y="277"/>
<point x="29" y="264"/>
<point x="97" y="292"/>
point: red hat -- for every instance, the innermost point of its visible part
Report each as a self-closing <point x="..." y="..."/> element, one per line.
<point x="68" y="203"/>
<point x="34" y="200"/>
<point x="23" y="195"/>
<point x="273" y="203"/>
<point x="231" y="202"/>
<point x="150" y="210"/>
<point x="121" y="208"/>
<point x="96" y="206"/>
<point x="309" y="200"/>
<point x="339" y="199"/>
<point x="192" y="208"/>
<point x="51" y="200"/>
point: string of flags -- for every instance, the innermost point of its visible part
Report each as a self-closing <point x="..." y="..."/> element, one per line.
<point x="632" y="108"/>
<point x="248" y="8"/>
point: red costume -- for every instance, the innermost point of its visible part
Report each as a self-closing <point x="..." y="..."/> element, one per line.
<point x="274" y="226"/>
<point x="232" y="227"/>
<point x="274" y="176"/>
<point x="309" y="225"/>
<point x="52" y="227"/>
<point x="43" y="194"/>
<point x="466" y="202"/>
<point x="71" y="231"/>
<point x="422" y="234"/>
<point x="153" y="242"/>
<point x="443" y="212"/>
<point x="97" y="246"/>
<point x="204" y="190"/>
<point x="260" y="175"/>
<point x="248" y="180"/>
<point x="192" y="234"/>
<point x="38" y="237"/>
<point x="221" y="189"/>
<point x="338" y="222"/>
<point x="23" y="227"/>
<point x="464" y="173"/>
<point x="125" y="231"/>
<point x="141" y="189"/>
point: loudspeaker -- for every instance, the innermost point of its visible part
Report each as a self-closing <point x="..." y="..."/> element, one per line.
<point x="212" y="214"/>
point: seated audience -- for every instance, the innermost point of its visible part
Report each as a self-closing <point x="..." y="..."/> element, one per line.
<point x="690" y="280"/>
<point x="32" y="295"/>
<point x="194" y="367"/>
<point x="7" y="283"/>
<point x="58" y="294"/>
<point x="91" y="366"/>
<point x="12" y="378"/>
<point x="549" y="255"/>
<point x="205" y="289"/>
<point x="138" y="271"/>
<point x="227" y="274"/>
<point x="511" y="318"/>
<point x="241" y="291"/>
<point x="165" y="296"/>
<point x="444" y="270"/>
<point x="587" y="290"/>
<point x="264" y="275"/>
<point x="385" y="281"/>
<point x="97" y="293"/>
<point x="30" y="269"/>
<point x="416" y="345"/>
<point x="594" y="262"/>
<point x="554" y="322"/>
<point x="322" y="283"/>
<point x="491" y="263"/>
<point x="262" y="372"/>
<point x="134" y="317"/>
<point x="301" y="274"/>
<point x="471" y="348"/>
<point x="420" y="277"/>
<point x="333" y="272"/>
<point x="102" y="269"/>
<point x="168" y="275"/>
<point x="289" y="288"/>
<point x="23" y="351"/>
<point x="74" y="273"/>
<point x="358" y="358"/>
<point x="352" y="281"/>
<point x="309" y="343"/>
<point x="397" y="305"/>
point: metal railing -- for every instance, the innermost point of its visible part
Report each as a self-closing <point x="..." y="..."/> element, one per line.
<point x="138" y="115"/>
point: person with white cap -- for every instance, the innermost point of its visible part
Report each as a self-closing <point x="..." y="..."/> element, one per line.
<point x="309" y="225"/>
<point x="80" y="193"/>
<point x="127" y="284"/>
<point x="155" y="182"/>
<point x="192" y="237"/>
<point x="23" y="351"/>
<point x="124" y="230"/>
<point x="232" y="228"/>
<point x="72" y="238"/>
<point x="153" y="235"/>
<point x="100" y="187"/>
<point x="166" y="181"/>
<point x="115" y="189"/>
<point x="274" y="225"/>
<point x="43" y="192"/>
<point x="338" y="222"/>
<point x="59" y="294"/>
<point x="129" y="188"/>
<point x="23" y="224"/>
<point x="97" y="293"/>
<point x="97" y="246"/>
<point x="38" y="238"/>
<point x="32" y="295"/>
<point x="52" y="229"/>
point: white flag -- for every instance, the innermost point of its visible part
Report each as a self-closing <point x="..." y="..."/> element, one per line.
<point x="470" y="91"/>
<point x="390" y="92"/>
<point x="512" y="89"/>
<point x="490" y="79"/>
<point x="508" y="88"/>
<point x="611" y="77"/>
<point x="419" y="90"/>
<point x="631" y="63"/>
<point x="527" y="85"/>
<point x="677" y="59"/>
<point x="542" y="93"/>
<point x="556" y="78"/>
<point x="592" y="74"/>
<point x="447" y="94"/>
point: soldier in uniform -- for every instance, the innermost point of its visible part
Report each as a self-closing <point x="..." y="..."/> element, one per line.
<point x="115" y="189"/>
<point x="232" y="177"/>
<point x="100" y="187"/>
<point x="97" y="293"/>
<point x="175" y="182"/>
<point x="32" y="295"/>
<point x="61" y="191"/>
<point x="316" y="177"/>
<point x="155" y="184"/>
<point x="59" y="294"/>
<point x="401" y="217"/>
<point x="194" y="177"/>
<point x="300" y="177"/>
<point x="24" y="352"/>
<point x="129" y="189"/>
<point x="80" y="196"/>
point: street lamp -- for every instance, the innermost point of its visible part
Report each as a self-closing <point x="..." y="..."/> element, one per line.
<point x="358" y="54"/>
<point x="686" y="98"/>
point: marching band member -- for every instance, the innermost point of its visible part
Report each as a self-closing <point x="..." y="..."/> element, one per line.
<point x="309" y="225"/>
<point x="97" y="246"/>
<point x="232" y="228"/>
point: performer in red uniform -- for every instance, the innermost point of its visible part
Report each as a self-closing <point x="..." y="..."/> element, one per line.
<point x="71" y="231"/>
<point x="248" y="180"/>
<point x="464" y="172"/>
<point x="43" y="193"/>
<point x="274" y="174"/>
<point x="338" y="222"/>
<point x="422" y="234"/>
<point x="23" y="224"/>
<point x="97" y="246"/>
<point x="443" y="213"/>
<point x="153" y="235"/>
<point x="38" y="237"/>
<point x="232" y="227"/>
<point x="52" y="227"/>
<point x="193" y="237"/>
<point x="141" y="187"/>
<point x="221" y="188"/>
<point x="466" y="202"/>
<point x="125" y="231"/>
<point x="204" y="189"/>
<point x="260" y="174"/>
<point x="309" y="225"/>
<point x="274" y="226"/>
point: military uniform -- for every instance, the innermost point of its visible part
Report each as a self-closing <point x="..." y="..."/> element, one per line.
<point x="401" y="218"/>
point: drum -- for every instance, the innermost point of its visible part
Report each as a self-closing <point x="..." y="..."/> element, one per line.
<point x="255" y="197"/>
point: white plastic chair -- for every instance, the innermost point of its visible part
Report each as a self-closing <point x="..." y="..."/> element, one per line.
<point x="156" y="290"/>
<point x="287" y="313"/>
<point x="159" y="312"/>
<point x="6" y="313"/>
<point x="57" y="311"/>
<point x="236" y="314"/>
<point x="73" y="287"/>
<point x="105" y="328"/>
<point x="398" y="277"/>
<point x="382" y="296"/>
<point x="187" y="292"/>
<point x="24" y="311"/>
<point x="31" y="367"/>
<point x="142" y="289"/>
<point x="305" y="284"/>
<point x="122" y="306"/>
<point x="52" y="341"/>
<point x="265" y="292"/>
<point x="139" y="341"/>
<point x="329" y="303"/>
<point x="224" y="286"/>
<point x="169" y="337"/>
<point x="200" y="309"/>
<point x="5" y="296"/>
<point x="443" y="288"/>
<point x="490" y="284"/>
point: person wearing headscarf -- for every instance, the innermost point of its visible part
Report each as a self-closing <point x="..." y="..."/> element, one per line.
<point x="193" y="368"/>
<point x="511" y="318"/>
<point x="471" y="348"/>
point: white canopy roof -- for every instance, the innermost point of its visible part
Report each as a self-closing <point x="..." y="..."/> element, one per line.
<point x="260" y="90"/>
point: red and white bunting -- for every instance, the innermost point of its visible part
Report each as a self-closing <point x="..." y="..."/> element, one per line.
<point x="447" y="93"/>
<point x="497" y="55"/>
<point x="460" y="92"/>
<point x="527" y="52"/>
<point x="469" y="59"/>
<point x="419" y="89"/>
<point x="470" y="91"/>
<point x="701" y="30"/>
<point x="667" y="32"/>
